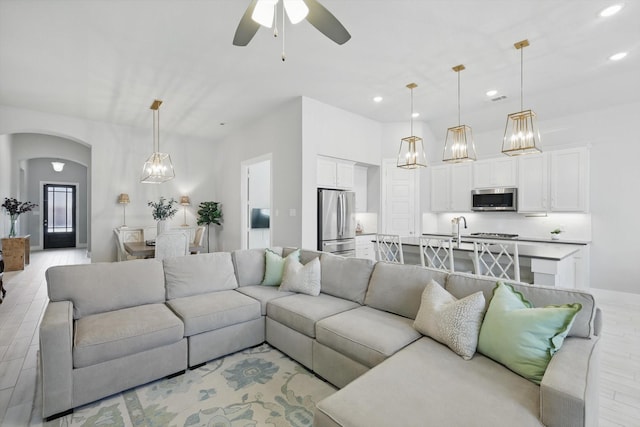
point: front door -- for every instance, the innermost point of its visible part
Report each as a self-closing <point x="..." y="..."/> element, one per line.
<point x="59" y="216"/>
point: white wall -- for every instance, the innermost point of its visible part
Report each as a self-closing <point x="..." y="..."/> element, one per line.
<point x="277" y="132"/>
<point x="331" y="131"/>
<point x="117" y="155"/>
<point x="259" y="198"/>
<point x="5" y="180"/>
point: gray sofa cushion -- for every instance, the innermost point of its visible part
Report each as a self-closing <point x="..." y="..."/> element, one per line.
<point x="263" y="294"/>
<point x="426" y="384"/>
<point x="306" y="255"/>
<point x="365" y="334"/>
<point x="215" y="310"/>
<point x="101" y="287"/>
<point x="301" y="312"/>
<point x="346" y="278"/>
<point x="397" y="288"/>
<point x="461" y="285"/>
<point x="107" y="336"/>
<point x="199" y="274"/>
<point x="249" y="265"/>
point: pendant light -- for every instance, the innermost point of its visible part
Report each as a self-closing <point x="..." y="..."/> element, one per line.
<point x="458" y="146"/>
<point x="158" y="167"/>
<point x="411" y="154"/>
<point x="521" y="134"/>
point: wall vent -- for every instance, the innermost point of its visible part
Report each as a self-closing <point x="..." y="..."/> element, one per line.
<point x="499" y="98"/>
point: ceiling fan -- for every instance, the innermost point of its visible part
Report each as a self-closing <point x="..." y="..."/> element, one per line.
<point x="263" y="12"/>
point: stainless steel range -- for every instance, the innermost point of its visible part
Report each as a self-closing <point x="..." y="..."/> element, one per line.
<point x="495" y="235"/>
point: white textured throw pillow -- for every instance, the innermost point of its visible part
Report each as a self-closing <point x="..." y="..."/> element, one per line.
<point x="304" y="279"/>
<point x="455" y="323"/>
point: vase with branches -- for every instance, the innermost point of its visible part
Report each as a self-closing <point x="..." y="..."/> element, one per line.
<point x="209" y="213"/>
<point x="14" y="208"/>
<point x="163" y="210"/>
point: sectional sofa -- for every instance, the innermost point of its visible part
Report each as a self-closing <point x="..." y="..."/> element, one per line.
<point x="110" y="327"/>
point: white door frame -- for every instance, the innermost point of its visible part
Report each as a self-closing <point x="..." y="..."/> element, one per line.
<point x="244" y="197"/>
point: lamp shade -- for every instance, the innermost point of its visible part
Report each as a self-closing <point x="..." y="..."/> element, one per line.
<point x="123" y="198"/>
<point x="184" y="201"/>
<point x="411" y="154"/>
<point x="521" y="134"/>
<point x="459" y="146"/>
<point x="158" y="167"/>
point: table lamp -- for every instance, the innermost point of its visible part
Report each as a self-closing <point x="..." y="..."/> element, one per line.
<point x="123" y="199"/>
<point x="184" y="201"/>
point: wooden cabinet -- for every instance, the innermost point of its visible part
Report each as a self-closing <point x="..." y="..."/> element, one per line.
<point x="360" y="188"/>
<point x="569" y="180"/>
<point x="365" y="248"/>
<point x="16" y="252"/>
<point x="533" y="183"/>
<point x="500" y="172"/>
<point x="335" y="173"/>
<point x="451" y="188"/>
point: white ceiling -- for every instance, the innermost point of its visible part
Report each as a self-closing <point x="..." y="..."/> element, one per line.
<point x="106" y="60"/>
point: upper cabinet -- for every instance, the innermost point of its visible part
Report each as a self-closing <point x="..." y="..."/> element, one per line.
<point x="451" y="187"/>
<point x="555" y="181"/>
<point x="500" y="172"/>
<point x="335" y="173"/>
<point x="569" y="180"/>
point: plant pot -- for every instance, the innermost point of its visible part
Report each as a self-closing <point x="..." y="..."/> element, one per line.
<point x="163" y="225"/>
<point x="555" y="236"/>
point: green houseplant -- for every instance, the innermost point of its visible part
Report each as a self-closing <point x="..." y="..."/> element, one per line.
<point x="209" y="213"/>
<point x="163" y="210"/>
<point x="555" y="234"/>
<point x="14" y="208"/>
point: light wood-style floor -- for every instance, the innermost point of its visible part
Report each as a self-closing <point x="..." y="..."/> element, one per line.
<point x="22" y="310"/>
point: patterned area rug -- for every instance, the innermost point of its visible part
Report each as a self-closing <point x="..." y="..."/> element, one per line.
<point x="256" y="387"/>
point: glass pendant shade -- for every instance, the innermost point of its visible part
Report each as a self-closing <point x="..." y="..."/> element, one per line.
<point x="158" y="167"/>
<point x="411" y="154"/>
<point x="521" y="134"/>
<point x="459" y="146"/>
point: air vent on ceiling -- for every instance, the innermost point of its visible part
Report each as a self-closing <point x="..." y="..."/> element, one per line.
<point x="499" y="98"/>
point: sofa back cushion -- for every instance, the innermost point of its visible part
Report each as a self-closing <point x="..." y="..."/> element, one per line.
<point x="346" y="278"/>
<point x="306" y="255"/>
<point x="460" y="285"/>
<point x="397" y="288"/>
<point x="102" y="287"/>
<point x="249" y="265"/>
<point x="199" y="274"/>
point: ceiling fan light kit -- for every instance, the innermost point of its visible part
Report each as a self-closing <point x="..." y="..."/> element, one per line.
<point x="521" y="133"/>
<point x="158" y="167"/>
<point x="459" y="146"/>
<point x="411" y="154"/>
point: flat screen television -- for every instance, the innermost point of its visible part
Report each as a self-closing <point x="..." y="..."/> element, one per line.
<point x="259" y="218"/>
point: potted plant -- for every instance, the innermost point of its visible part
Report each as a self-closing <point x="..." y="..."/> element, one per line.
<point x="555" y="234"/>
<point x="209" y="213"/>
<point x="162" y="211"/>
<point x="14" y="208"/>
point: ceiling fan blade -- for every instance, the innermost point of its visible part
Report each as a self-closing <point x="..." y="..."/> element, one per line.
<point x="326" y="23"/>
<point x="247" y="28"/>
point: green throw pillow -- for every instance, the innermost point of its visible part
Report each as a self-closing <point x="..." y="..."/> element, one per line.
<point x="274" y="266"/>
<point x="521" y="337"/>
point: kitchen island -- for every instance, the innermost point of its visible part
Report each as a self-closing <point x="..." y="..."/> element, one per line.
<point x="551" y="263"/>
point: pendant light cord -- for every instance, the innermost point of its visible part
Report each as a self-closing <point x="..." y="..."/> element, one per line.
<point x="458" y="98"/>
<point x="284" y="23"/>
<point x="411" y="111"/>
<point x="521" y="78"/>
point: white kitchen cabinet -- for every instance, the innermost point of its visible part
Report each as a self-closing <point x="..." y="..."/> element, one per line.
<point x="360" y="187"/>
<point x="569" y="180"/>
<point x="365" y="248"/>
<point x="451" y="188"/>
<point x="335" y="173"/>
<point x="533" y="183"/>
<point x="499" y="172"/>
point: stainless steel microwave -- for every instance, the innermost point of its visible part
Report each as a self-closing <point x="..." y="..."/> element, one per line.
<point x="504" y="199"/>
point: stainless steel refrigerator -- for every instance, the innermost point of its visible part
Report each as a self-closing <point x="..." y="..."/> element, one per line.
<point x="337" y="222"/>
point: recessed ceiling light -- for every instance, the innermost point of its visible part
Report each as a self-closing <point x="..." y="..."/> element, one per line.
<point x="377" y="99"/>
<point x="492" y="92"/>
<point x="618" y="56"/>
<point x="414" y="115"/>
<point x="611" y="10"/>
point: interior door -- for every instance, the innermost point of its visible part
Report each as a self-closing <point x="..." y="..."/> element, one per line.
<point x="59" y="225"/>
<point x="399" y="204"/>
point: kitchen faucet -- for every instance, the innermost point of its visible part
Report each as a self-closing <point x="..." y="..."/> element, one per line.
<point x="456" y="221"/>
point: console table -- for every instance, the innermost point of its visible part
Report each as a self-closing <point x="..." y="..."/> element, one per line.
<point x="16" y="252"/>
